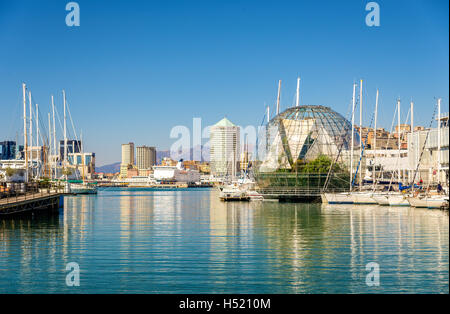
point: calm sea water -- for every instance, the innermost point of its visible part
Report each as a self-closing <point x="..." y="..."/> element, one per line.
<point x="140" y="241"/>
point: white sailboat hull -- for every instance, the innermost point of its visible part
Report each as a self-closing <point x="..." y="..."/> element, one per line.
<point x="82" y="189"/>
<point x="417" y="202"/>
<point x="381" y="199"/>
<point x="363" y="198"/>
<point x="428" y="202"/>
<point x="337" y="198"/>
<point x="436" y="202"/>
<point x="397" y="200"/>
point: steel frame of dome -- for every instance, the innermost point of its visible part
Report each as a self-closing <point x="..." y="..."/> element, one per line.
<point x="301" y="134"/>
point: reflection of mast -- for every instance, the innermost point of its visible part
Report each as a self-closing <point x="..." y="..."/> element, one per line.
<point x="25" y="148"/>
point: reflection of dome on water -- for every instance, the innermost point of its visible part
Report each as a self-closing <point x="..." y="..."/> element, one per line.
<point x="304" y="133"/>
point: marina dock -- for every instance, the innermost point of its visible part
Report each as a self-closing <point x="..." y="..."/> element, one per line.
<point x="31" y="202"/>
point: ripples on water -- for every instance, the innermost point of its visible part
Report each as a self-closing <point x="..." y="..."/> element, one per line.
<point x="137" y="241"/>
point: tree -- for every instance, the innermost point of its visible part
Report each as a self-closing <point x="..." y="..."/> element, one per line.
<point x="67" y="172"/>
<point x="10" y="172"/>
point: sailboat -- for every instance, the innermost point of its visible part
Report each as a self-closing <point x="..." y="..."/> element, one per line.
<point x="362" y="197"/>
<point x="84" y="187"/>
<point x="76" y="188"/>
<point x="436" y="200"/>
<point x="344" y="197"/>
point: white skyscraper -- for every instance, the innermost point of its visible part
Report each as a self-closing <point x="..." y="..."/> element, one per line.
<point x="224" y="150"/>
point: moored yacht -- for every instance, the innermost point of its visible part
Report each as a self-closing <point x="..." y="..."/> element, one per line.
<point x="381" y="199"/>
<point x="435" y="201"/>
<point x="363" y="198"/>
<point x="82" y="188"/>
<point x="337" y="198"/>
<point x="397" y="199"/>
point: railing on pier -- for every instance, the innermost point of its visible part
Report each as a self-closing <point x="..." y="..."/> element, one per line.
<point x="11" y="192"/>
<point x="298" y="191"/>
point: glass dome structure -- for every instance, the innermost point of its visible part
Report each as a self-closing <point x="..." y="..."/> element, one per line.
<point x="302" y="134"/>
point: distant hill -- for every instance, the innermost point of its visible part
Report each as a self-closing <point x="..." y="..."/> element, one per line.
<point x="111" y="168"/>
<point x="161" y="154"/>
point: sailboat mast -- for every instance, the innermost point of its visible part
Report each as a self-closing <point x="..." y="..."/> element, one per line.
<point x="268" y="114"/>
<point x="54" y="137"/>
<point x="353" y="134"/>
<point x="37" y="125"/>
<point x="278" y="97"/>
<point x="82" y="154"/>
<point x="25" y="142"/>
<point x="31" y="132"/>
<point x="49" y="147"/>
<point x="65" y="130"/>
<point x="298" y="92"/>
<point x="374" y="171"/>
<point x="398" y="134"/>
<point x="439" y="142"/>
<point x="412" y="129"/>
<point x="360" y="128"/>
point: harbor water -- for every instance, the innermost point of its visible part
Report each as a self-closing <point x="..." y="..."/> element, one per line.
<point x="188" y="241"/>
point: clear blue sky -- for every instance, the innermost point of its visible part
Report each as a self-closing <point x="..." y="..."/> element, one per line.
<point x="135" y="69"/>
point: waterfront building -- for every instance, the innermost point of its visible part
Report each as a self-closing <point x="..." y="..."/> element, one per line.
<point x="128" y="154"/>
<point x="389" y="164"/>
<point x="73" y="146"/>
<point x="84" y="162"/>
<point x="127" y="159"/>
<point x="204" y="167"/>
<point x="7" y="150"/>
<point x="145" y="172"/>
<point x="224" y="149"/>
<point x="166" y="161"/>
<point x="132" y="172"/>
<point x="145" y="157"/>
<point x="424" y="155"/>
